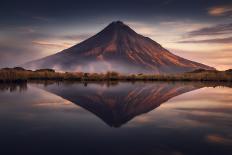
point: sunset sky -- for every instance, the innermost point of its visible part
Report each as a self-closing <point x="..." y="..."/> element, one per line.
<point x="200" y="30"/>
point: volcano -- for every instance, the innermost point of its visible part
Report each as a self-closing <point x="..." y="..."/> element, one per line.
<point x="121" y="102"/>
<point x="117" y="48"/>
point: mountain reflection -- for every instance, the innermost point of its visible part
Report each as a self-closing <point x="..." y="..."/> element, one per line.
<point x="118" y="103"/>
<point x="44" y="117"/>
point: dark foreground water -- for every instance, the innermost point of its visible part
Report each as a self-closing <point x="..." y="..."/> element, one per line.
<point x="115" y="119"/>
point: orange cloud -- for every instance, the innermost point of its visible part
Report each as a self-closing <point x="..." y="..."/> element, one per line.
<point x="227" y="40"/>
<point x="218" y="58"/>
<point x="220" y="10"/>
<point x="50" y="44"/>
<point x="219" y="139"/>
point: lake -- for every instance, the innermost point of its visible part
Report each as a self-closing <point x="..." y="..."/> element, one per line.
<point x="119" y="118"/>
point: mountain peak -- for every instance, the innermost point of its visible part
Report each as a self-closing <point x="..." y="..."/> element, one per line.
<point x="118" y="22"/>
<point x="119" y="48"/>
<point x="118" y="27"/>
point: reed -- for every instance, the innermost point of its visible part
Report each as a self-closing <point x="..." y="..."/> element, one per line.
<point x="20" y="74"/>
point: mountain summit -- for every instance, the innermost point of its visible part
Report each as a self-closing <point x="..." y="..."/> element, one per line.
<point x="117" y="48"/>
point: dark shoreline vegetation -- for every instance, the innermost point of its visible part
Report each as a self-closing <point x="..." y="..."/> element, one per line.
<point x="19" y="74"/>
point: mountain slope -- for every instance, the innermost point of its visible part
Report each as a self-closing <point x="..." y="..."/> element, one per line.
<point x="120" y="103"/>
<point x="117" y="47"/>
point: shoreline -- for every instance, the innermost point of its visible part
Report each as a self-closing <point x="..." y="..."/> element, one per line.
<point x="21" y="75"/>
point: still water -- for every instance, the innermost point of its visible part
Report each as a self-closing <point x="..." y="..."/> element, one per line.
<point x="117" y="118"/>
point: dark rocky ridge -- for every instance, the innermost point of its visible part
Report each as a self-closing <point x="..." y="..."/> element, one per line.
<point x="117" y="48"/>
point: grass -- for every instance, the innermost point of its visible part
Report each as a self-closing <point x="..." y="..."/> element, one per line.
<point x="18" y="74"/>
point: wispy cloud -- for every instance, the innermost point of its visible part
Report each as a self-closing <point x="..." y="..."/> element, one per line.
<point x="217" y="34"/>
<point x="220" y="10"/>
<point x="213" y="30"/>
<point x="217" y="40"/>
<point x="50" y="44"/>
<point x="219" y="58"/>
<point x="14" y="54"/>
<point x="219" y="139"/>
<point x="77" y="37"/>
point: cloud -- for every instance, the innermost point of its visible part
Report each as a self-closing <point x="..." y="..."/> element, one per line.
<point x="59" y="42"/>
<point x="50" y="44"/>
<point x="77" y="37"/>
<point x="219" y="139"/>
<point x="13" y="55"/>
<point x="28" y="43"/>
<point x="219" y="58"/>
<point x="220" y="10"/>
<point x="207" y="35"/>
<point x="214" y="110"/>
<point x="213" y="30"/>
<point x="227" y="40"/>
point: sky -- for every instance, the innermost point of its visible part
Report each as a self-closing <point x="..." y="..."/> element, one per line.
<point x="199" y="30"/>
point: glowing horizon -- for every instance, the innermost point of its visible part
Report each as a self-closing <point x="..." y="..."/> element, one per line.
<point x="197" y="31"/>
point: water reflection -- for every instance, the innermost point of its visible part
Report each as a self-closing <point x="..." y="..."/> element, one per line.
<point x="22" y="86"/>
<point x="154" y="118"/>
<point x="118" y="103"/>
